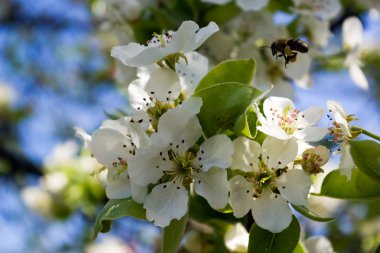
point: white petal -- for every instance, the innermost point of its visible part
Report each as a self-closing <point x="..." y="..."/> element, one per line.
<point x="294" y="186"/>
<point x="83" y="135"/>
<point x="240" y="195"/>
<point x="275" y="131"/>
<point x="246" y="154"/>
<point x="216" y="1"/>
<point x="213" y="186"/>
<point x="141" y="119"/>
<point x="148" y="166"/>
<point x="108" y="145"/>
<point x="192" y="104"/>
<point x="318" y="244"/>
<point x="215" y="152"/>
<point x="253" y="5"/>
<point x="358" y="76"/>
<point x="278" y="153"/>
<point x="326" y="9"/>
<point x="309" y="117"/>
<point x="118" y="189"/>
<point x="298" y="69"/>
<point x="352" y="32"/>
<point x="139" y="192"/>
<point x="236" y="238"/>
<point x="346" y="162"/>
<point x="137" y="95"/>
<point x="202" y="35"/>
<point x="166" y="202"/>
<point x="276" y="104"/>
<point x="184" y="38"/>
<point x="336" y="108"/>
<point x="192" y="72"/>
<point x="163" y="84"/>
<point x="180" y="127"/>
<point x="271" y="212"/>
<point x="311" y="133"/>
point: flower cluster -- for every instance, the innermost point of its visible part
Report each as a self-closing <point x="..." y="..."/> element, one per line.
<point x="159" y="155"/>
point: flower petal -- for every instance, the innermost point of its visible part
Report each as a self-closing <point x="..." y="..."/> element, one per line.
<point x="215" y="152"/>
<point x="352" y="32"/>
<point x="148" y="166"/>
<point x="137" y="95"/>
<point x="166" y="202"/>
<point x="271" y="212"/>
<point x="202" y="35"/>
<point x="317" y="244"/>
<point x="83" y="135"/>
<point x="309" y="117"/>
<point x="192" y="72"/>
<point x="346" y="162"/>
<point x="240" y="195"/>
<point x="139" y="192"/>
<point x="358" y="76"/>
<point x="192" y="104"/>
<point x="278" y="153"/>
<point x="277" y="105"/>
<point x="236" y="238"/>
<point x="246" y="154"/>
<point x="163" y="84"/>
<point x="109" y="145"/>
<point x="179" y="127"/>
<point x="311" y="133"/>
<point x="294" y="186"/>
<point x="184" y="39"/>
<point x="118" y="188"/>
<point x="253" y="5"/>
<point x="213" y="186"/>
<point x="275" y="131"/>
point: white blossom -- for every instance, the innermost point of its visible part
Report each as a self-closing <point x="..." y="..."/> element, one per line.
<point x="247" y="5"/>
<point x="188" y="38"/>
<point x="171" y="164"/>
<point x="283" y="121"/>
<point x="112" y="145"/>
<point x="237" y="238"/>
<point x="268" y="183"/>
<point x="340" y="131"/>
<point x="318" y="244"/>
<point x="352" y="33"/>
<point x="323" y="9"/>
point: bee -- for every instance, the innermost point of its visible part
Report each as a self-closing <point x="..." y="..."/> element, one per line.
<point x="288" y="49"/>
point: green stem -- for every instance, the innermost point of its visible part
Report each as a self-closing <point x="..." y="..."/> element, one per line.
<point x="363" y="131"/>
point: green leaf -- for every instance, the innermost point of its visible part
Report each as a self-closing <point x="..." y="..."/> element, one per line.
<point x="304" y="210"/>
<point x="263" y="241"/>
<point x="239" y="71"/>
<point x="299" y="249"/>
<point x="115" y="209"/>
<point x="360" y="187"/>
<point x="246" y="123"/>
<point x="223" y="104"/>
<point x="366" y="155"/>
<point x="173" y="235"/>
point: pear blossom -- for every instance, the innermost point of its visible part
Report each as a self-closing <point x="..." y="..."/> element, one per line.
<point x="268" y="182"/>
<point x="156" y="90"/>
<point x="188" y="38"/>
<point x="314" y="158"/>
<point x="317" y="244"/>
<point x="352" y="33"/>
<point x="247" y="5"/>
<point x="112" y="145"/>
<point x="171" y="163"/>
<point x="340" y="131"/>
<point x="237" y="238"/>
<point x="317" y="30"/>
<point x="283" y="121"/>
<point x="323" y="9"/>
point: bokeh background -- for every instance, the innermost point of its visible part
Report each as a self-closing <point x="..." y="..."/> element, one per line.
<point x="56" y="73"/>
